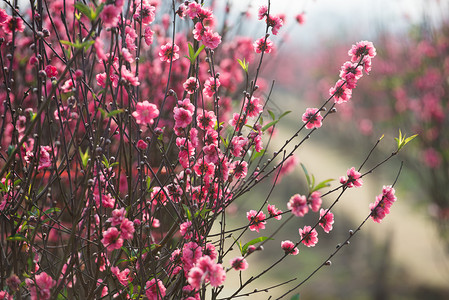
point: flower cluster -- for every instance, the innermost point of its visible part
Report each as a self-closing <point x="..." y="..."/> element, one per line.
<point x="381" y="207"/>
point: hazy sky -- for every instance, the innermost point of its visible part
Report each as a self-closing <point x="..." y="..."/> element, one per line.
<point x="351" y="19"/>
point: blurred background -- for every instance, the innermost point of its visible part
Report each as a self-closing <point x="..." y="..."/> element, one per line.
<point x="407" y="255"/>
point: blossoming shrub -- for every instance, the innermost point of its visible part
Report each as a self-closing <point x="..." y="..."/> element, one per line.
<point x="126" y="134"/>
<point x="411" y="88"/>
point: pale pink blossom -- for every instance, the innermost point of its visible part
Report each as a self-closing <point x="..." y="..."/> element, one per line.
<point x="169" y="52"/>
<point x="191" y="85"/>
<point x="309" y="237"/>
<point x="263" y="45"/>
<point x="353" y="180"/>
<point x="145" y="113"/>
<point x="127" y="229"/>
<point x="326" y="220"/>
<point x="257" y="220"/>
<point x="111" y="239"/>
<point x="315" y="201"/>
<point x="298" y="205"/>
<point x="239" y="263"/>
<point x="312" y="118"/>
<point x="155" y="289"/>
<point x="274" y="212"/>
<point x="40" y="287"/>
<point x="289" y="247"/>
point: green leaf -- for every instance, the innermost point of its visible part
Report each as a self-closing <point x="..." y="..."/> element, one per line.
<point x="52" y="210"/>
<point x="240" y="246"/>
<point x="17" y="238"/>
<point x="10" y="150"/>
<point x="306" y="173"/>
<point x="188" y="213"/>
<point x="269" y="125"/>
<point x="243" y="64"/>
<point x="198" y="52"/>
<point x="253" y="242"/>
<point x="321" y="185"/>
<point x="148" y="180"/>
<point x="284" y="114"/>
<point x="295" y="297"/>
<point x="115" y="112"/>
<point x="258" y="154"/>
<point x="84" y="9"/>
<point x="272" y="115"/>
<point x="84" y="157"/>
<point x="402" y="140"/>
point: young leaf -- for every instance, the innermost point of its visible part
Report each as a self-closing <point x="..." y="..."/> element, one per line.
<point x="188" y="213"/>
<point x="84" y="157"/>
<point x="258" y="154"/>
<point x="272" y="115"/>
<point x="321" y="185"/>
<point x="253" y="242"/>
<point x="17" y="237"/>
<point x="306" y="173"/>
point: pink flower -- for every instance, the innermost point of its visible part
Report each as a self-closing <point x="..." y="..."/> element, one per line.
<point x="289" y="247"/>
<point x="353" y="179"/>
<point x="145" y="113"/>
<point x="118" y="215"/>
<point x="263" y="45"/>
<point x="183" y="117"/>
<point x="122" y="276"/>
<point x="191" y="85"/>
<point x="312" y="118"/>
<point x="111" y="239"/>
<point x="239" y="263"/>
<point x="129" y="77"/>
<point x="298" y="205"/>
<point x="238" y="143"/>
<point x="211" y="39"/>
<point x="206" y="120"/>
<point x="167" y="52"/>
<point x="274" y="212"/>
<point x="155" y="289"/>
<point x="13" y="24"/>
<point x="326" y="220"/>
<point x="110" y="15"/>
<point x="51" y="71"/>
<point x="127" y="55"/>
<point x="381" y="207"/>
<point x="145" y="12"/>
<point x="238" y="121"/>
<point x="148" y="36"/>
<point x="432" y="158"/>
<point x="239" y="169"/>
<point x="192" y="10"/>
<point x="300" y="18"/>
<point x="315" y="201"/>
<point x="196" y="277"/>
<point x="44" y="283"/>
<point x="202" y="168"/>
<point x="211" y="86"/>
<point x="275" y="22"/>
<point x="210" y="251"/>
<point x="206" y="271"/>
<point x="263" y="11"/>
<point x="361" y="49"/>
<point x="141" y="145"/>
<point x="185" y="230"/>
<point x="253" y="107"/>
<point x="309" y="237"/>
<point x="340" y="92"/>
<point x="191" y="252"/>
<point x="127" y="229"/>
<point x="257" y="220"/>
